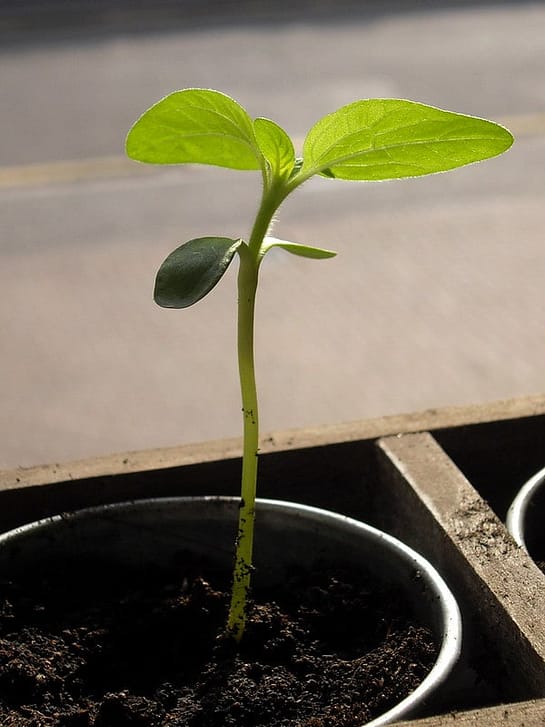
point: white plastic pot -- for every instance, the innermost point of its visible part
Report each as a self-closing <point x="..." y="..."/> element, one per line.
<point x="155" y="530"/>
<point x="526" y="516"/>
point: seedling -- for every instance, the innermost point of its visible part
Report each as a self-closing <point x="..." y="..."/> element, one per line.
<point x="368" y="140"/>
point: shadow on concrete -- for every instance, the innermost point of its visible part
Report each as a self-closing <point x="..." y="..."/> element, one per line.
<point x="45" y="21"/>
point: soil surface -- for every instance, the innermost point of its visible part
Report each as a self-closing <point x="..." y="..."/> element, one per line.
<point x="323" y="650"/>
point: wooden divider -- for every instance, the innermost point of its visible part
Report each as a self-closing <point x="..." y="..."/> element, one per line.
<point x="501" y="591"/>
<point x="523" y="714"/>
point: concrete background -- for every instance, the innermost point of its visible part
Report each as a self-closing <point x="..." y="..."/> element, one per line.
<point x="436" y="296"/>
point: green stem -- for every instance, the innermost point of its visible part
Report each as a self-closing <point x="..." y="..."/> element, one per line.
<point x="247" y="285"/>
<point x="250" y="258"/>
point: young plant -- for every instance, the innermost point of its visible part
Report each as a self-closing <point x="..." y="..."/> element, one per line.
<point x="368" y="140"/>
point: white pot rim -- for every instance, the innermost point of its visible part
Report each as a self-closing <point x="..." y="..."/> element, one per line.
<point x="516" y="515"/>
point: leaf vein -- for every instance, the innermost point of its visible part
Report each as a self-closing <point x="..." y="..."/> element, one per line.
<point x="172" y="130"/>
<point x="340" y="160"/>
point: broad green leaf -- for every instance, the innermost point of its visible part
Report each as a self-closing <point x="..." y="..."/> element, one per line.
<point x="378" y="139"/>
<point x="316" y="253"/>
<point x="192" y="270"/>
<point x="196" y="126"/>
<point x="276" y="146"/>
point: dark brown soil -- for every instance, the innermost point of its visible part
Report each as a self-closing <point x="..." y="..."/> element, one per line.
<point x="101" y="651"/>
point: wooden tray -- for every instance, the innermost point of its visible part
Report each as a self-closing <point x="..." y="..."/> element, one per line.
<point x="441" y="480"/>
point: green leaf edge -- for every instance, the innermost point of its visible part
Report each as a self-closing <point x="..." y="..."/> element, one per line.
<point x="295" y="248"/>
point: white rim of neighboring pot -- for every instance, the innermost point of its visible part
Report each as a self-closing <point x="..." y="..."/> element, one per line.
<point x="516" y="515"/>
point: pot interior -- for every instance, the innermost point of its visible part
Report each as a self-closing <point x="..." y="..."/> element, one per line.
<point x="158" y="532"/>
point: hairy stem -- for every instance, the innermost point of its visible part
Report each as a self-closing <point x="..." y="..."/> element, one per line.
<point x="250" y="258"/>
<point x="247" y="285"/>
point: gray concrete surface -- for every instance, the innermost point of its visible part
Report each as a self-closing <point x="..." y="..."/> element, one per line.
<point x="436" y="296"/>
